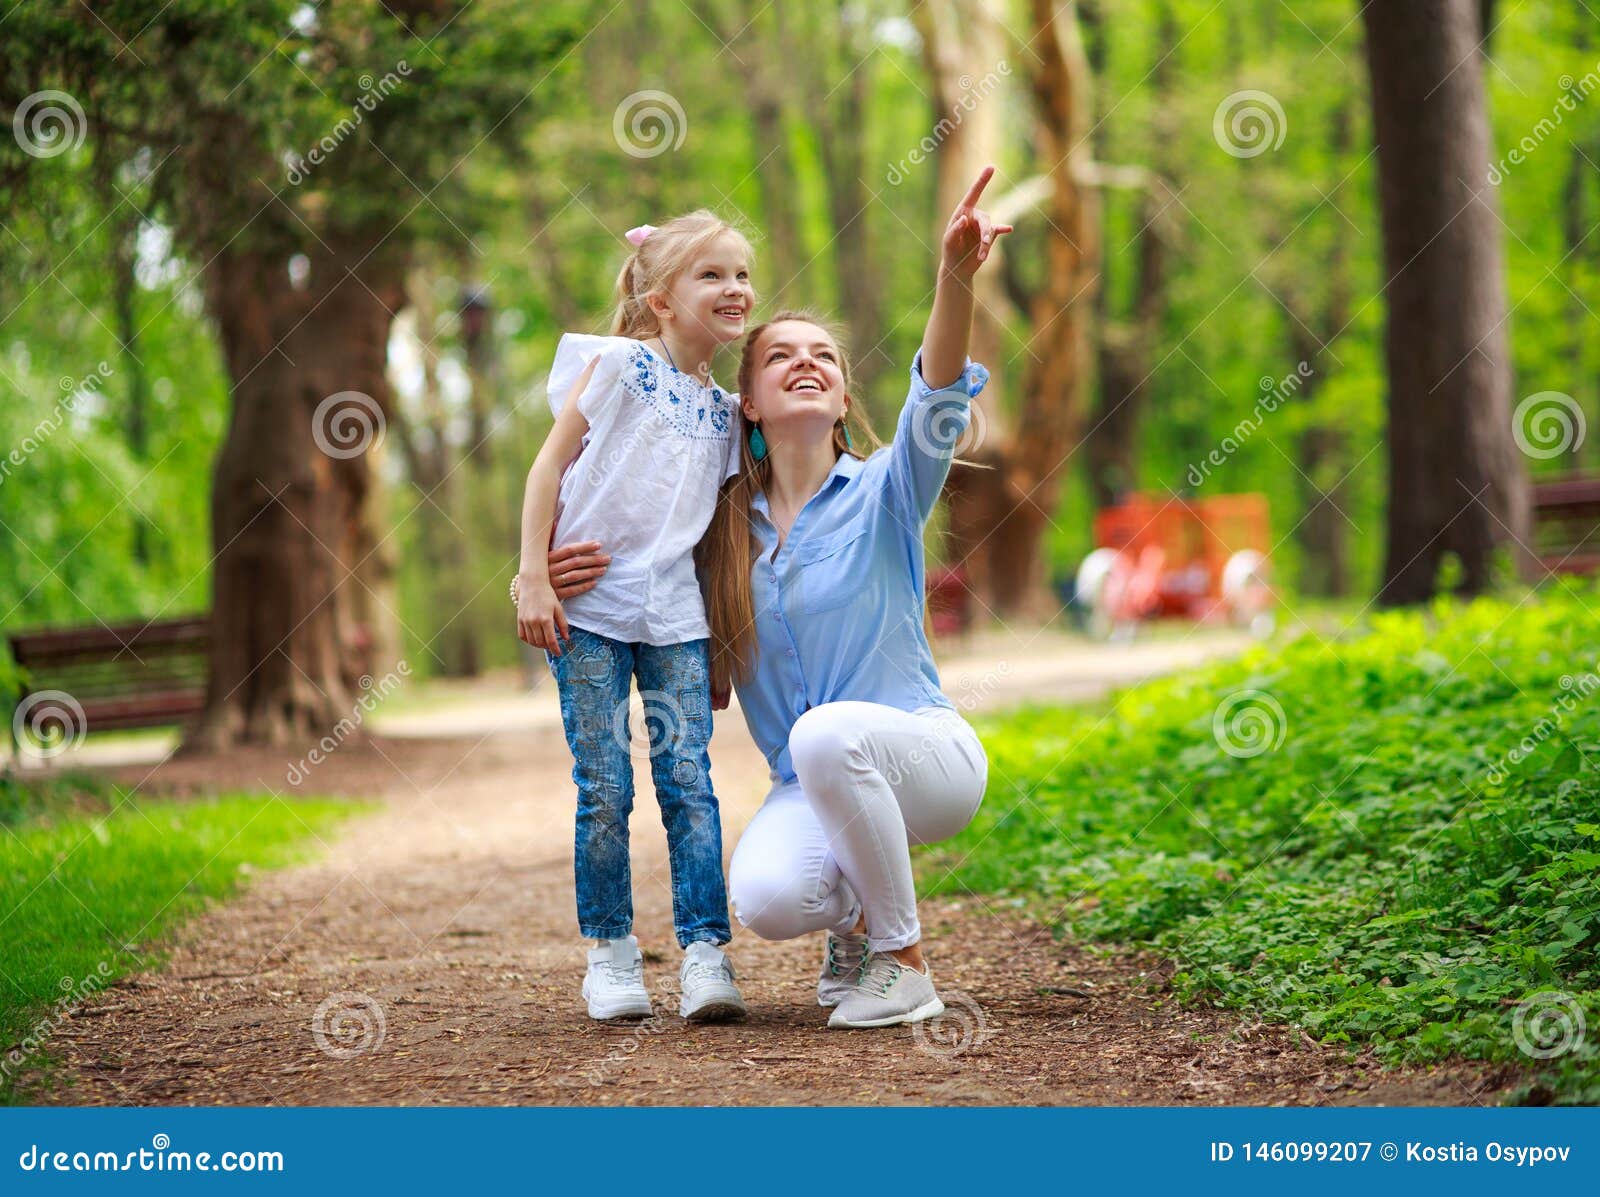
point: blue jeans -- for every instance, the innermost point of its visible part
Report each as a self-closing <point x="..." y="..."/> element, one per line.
<point x="593" y="675"/>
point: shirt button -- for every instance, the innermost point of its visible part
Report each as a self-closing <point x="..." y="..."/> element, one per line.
<point x="791" y="652"/>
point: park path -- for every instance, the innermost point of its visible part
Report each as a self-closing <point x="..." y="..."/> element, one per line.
<point x="429" y="956"/>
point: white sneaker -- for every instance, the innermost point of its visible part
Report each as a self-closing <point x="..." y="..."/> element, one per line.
<point x="842" y="961"/>
<point x="614" y="984"/>
<point x="709" y="992"/>
<point x="889" y="994"/>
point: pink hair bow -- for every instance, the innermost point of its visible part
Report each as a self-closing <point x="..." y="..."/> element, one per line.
<point x="636" y="236"/>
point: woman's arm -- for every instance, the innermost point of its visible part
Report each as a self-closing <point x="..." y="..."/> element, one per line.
<point x="967" y="240"/>
<point x="936" y="411"/>
<point x="540" y="620"/>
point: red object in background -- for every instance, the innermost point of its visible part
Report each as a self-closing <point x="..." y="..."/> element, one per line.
<point x="1174" y="557"/>
<point x="949" y="600"/>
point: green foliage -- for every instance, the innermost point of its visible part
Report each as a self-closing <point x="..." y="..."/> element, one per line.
<point x="89" y="894"/>
<point x="1416" y="859"/>
<point x="495" y="159"/>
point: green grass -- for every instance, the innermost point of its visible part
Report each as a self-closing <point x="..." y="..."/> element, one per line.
<point x="91" y="880"/>
<point x="1410" y="860"/>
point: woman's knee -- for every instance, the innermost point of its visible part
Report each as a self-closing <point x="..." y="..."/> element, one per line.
<point x="822" y="741"/>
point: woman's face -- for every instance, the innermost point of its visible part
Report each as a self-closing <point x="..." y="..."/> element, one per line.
<point x="797" y="383"/>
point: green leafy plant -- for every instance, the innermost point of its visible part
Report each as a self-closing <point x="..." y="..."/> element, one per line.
<point x="1411" y="861"/>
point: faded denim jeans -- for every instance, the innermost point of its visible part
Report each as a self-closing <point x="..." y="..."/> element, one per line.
<point x="594" y="675"/>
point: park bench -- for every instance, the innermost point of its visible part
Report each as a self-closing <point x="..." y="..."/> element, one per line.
<point x="125" y="675"/>
<point x="1566" y="514"/>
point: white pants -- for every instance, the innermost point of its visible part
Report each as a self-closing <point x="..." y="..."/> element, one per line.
<point x="872" y="780"/>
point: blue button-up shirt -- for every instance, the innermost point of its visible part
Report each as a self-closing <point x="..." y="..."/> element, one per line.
<point x="839" y="604"/>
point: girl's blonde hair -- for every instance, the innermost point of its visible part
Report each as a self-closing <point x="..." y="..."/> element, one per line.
<point x="729" y="547"/>
<point x="670" y="249"/>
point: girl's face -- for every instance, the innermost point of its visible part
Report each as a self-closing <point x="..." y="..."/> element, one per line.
<point x="797" y="378"/>
<point x="713" y="295"/>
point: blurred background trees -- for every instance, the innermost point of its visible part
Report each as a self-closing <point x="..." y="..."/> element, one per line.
<point x="1197" y="192"/>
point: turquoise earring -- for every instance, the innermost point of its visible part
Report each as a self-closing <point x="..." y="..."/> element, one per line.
<point x="845" y="428"/>
<point x="758" y="443"/>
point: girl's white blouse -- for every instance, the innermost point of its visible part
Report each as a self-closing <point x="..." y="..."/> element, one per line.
<point x="644" y="485"/>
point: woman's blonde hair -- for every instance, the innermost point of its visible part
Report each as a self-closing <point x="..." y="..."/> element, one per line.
<point x="729" y="547"/>
<point x="669" y="249"/>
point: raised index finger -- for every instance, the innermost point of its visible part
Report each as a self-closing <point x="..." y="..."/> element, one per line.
<point x="970" y="200"/>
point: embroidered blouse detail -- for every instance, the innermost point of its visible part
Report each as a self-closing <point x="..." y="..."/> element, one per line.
<point x="644" y="485"/>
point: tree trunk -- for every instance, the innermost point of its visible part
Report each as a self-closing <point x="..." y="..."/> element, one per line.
<point x="1125" y="349"/>
<point x="122" y="221"/>
<point x="289" y="490"/>
<point x="844" y="78"/>
<point x="1456" y="483"/>
<point x="998" y="515"/>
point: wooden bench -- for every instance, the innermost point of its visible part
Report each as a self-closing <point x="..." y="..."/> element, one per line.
<point x="1566" y="516"/>
<point x="125" y="675"/>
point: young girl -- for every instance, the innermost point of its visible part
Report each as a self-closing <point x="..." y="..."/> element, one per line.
<point x="653" y="437"/>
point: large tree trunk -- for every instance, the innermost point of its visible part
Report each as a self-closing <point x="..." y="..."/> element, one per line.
<point x="289" y="490"/>
<point x="1456" y="483"/>
<point x="1125" y="347"/>
<point x="998" y="515"/>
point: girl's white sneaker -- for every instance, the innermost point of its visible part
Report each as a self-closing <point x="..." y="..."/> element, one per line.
<point x="707" y="981"/>
<point x="614" y="984"/>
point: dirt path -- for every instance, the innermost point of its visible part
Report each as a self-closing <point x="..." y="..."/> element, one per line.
<point x="430" y="957"/>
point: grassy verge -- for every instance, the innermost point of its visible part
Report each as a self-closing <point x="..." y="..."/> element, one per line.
<point x="1393" y="838"/>
<point x="91" y="880"/>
